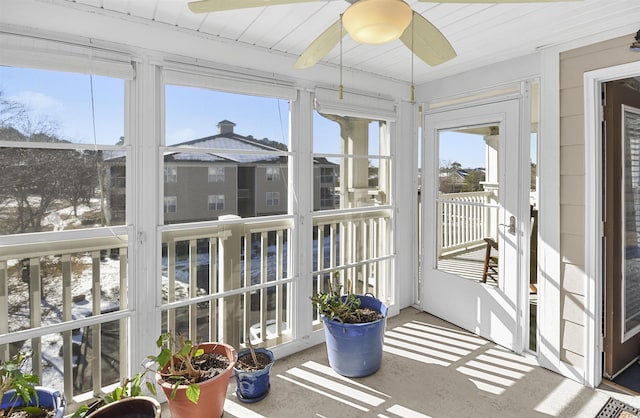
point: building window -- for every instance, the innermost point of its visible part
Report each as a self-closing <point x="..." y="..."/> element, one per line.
<point x="273" y="174"/>
<point x="273" y="198"/>
<point x="216" y="202"/>
<point x="327" y="175"/>
<point x="328" y="198"/>
<point x="170" y="204"/>
<point x="171" y="174"/>
<point x="216" y="175"/>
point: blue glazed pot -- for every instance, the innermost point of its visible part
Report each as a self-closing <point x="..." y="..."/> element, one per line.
<point x="253" y="385"/>
<point x="47" y="399"/>
<point x="355" y="350"/>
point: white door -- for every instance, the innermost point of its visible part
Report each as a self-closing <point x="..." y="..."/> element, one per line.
<point x="472" y="175"/>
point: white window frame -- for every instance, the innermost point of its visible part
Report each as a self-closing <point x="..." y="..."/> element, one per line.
<point x="273" y="199"/>
<point x="170" y="174"/>
<point x="81" y="57"/>
<point x="328" y="101"/>
<point x="170" y="202"/>
<point x="215" y="174"/>
<point x="215" y="202"/>
<point x="272" y="173"/>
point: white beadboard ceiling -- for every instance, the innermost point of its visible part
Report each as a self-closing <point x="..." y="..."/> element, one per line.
<point x="480" y="33"/>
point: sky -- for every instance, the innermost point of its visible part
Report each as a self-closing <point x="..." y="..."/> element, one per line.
<point x="190" y="113"/>
<point x="49" y="99"/>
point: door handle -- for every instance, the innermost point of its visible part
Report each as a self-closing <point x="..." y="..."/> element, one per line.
<point x="511" y="225"/>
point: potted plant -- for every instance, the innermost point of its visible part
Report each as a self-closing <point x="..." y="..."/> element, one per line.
<point x="137" y="406"/>
<point x="252" y="372"/>
<point x="124" y="401"/>
<point x="354" y="330"/>
<point x="194" y="377"/>
<point x="20" y="394"/>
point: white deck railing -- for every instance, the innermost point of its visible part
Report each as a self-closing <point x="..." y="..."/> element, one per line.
<point x="231" y="283"/>
<point x="355" y="245"/>
<point x="228" y="280"/>
<point x="57" y="302"/>
<point x="464" y="220"/>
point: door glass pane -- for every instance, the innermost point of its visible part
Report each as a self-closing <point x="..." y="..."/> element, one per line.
<point x="534" y="219"/>
<point x="467" y="210"/>
<point x="631" y="197"/>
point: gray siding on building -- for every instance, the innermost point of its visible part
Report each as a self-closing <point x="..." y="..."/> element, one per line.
<point x="262" y="186"/>
<point x="193" y="188"/>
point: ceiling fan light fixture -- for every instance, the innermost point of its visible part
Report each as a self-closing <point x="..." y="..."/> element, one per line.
<point x="377" y="21"/>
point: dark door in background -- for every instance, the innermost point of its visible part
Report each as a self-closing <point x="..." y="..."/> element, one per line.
<point x="621" y="225"/>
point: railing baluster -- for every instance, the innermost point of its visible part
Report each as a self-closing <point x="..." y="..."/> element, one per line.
<point x="264" y="261"/>
<point x="193" y="288"/>
<point x="246" y="311"/>
<point x="364" y="235"/>
<point x="463" y="220"/>
<point x="4" y="309"/>
<point x="67" y="341"/>
<point x="35" y="298"/>
<point x="332" y="244"/>
<point x="213" y="288"/>
<point x="124" y="322"/>
<point x="353" y="228"/>
<point x="96" y="343"/>
<point x="279" y="288"/>
<point x="171" y="285"/>
<point x="373" y="269"/>
<point x="320" y="244"/>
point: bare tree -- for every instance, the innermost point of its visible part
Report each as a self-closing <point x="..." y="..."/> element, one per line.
<point x="11" y="111"/>
<point x="36" y="181"/>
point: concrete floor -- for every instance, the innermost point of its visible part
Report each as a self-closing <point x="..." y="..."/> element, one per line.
<point x="430" y="368"/>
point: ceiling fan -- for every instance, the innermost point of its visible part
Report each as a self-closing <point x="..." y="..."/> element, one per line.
<point x="367" y="21"/>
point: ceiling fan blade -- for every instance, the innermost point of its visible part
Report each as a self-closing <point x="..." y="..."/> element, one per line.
<point x="206" y="6"/>
<point x="494" y="1"/>
<point x="427" y="42"/>
<point x="321" y="46"/>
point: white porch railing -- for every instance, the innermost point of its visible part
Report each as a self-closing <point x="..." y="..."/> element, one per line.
<point x="228" y="281"/>
<point x="66" y="302"/>
<point x="356" y="245"/>
<point x="464" y="220"/>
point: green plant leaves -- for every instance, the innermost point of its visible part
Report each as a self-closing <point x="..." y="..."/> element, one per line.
<point x="337" y="307"/>
<point x="193" y="393"/>
<point x="12" y="377"/>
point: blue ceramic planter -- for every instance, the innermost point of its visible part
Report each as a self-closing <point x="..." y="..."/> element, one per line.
<point x="47" y="398"/>
<point x="254" y="385"/>
<point x="355" y="350"/>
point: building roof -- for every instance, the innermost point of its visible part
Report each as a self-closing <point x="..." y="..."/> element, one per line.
<point x="225" y="139"/>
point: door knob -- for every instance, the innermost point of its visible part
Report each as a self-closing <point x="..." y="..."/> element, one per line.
<point x="511" y="225"/>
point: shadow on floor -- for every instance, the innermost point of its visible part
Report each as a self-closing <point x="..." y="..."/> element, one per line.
<point x="630" y="378"/>
<point x="430" y="369"/>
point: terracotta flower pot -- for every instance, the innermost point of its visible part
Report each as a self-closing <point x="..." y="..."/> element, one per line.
<point x="212" y="392"/>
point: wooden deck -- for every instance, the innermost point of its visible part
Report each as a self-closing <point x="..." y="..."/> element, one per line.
<point x="468" y="265"/>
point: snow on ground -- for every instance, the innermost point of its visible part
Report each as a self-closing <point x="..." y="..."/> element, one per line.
<point x="81" y="289"/>
<point x="51" y="307"/>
